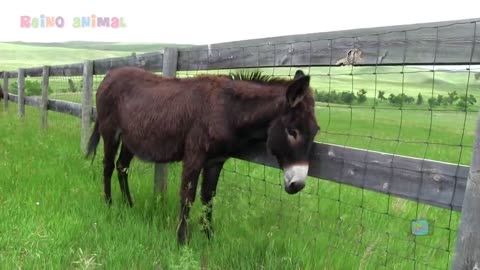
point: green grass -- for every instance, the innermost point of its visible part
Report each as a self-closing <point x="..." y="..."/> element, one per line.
<point x="53" y="214"/>
<point x="441" y="135"/>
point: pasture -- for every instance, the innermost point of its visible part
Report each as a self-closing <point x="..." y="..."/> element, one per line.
<point x="55" y="216"/>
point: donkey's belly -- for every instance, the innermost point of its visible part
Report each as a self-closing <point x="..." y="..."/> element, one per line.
<point x="162" y="150"/>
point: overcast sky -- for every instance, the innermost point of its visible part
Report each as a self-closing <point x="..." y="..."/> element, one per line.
<point x="212" y="21"/>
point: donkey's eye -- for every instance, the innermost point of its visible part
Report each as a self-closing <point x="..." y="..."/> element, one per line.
<point x="292" y="132"/>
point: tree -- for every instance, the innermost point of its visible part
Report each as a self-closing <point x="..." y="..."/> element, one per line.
<point x="439" y="99"/>
<point x="391" y="98"/>
<point x="452" y="97"/>
<point x="381" y="95"/>
<point x="361" y="96"/>
<point x="471" y="100"/>
<point x="409" y="99"/>
<point x="432" y="102"/>
<point x="419" y="99"/>
<point x="347" y="97"/>
<point x="466" y="101"/>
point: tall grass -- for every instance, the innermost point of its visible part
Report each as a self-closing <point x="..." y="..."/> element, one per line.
<point x="53" y="214"/>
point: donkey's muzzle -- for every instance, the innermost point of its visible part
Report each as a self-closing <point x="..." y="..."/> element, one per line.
<point x="295" y="178"/>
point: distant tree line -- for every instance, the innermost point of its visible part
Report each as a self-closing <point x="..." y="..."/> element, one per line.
<point x="344" y="97"/>
<point x="348" y="97"/>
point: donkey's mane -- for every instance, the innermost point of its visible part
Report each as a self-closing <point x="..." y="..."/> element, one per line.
<point x="257" y="76"/>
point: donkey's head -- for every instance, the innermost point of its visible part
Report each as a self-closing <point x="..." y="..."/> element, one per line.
<point x="291" y="134"/>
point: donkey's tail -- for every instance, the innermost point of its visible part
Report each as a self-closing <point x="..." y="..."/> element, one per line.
<point x="93" y="142"/>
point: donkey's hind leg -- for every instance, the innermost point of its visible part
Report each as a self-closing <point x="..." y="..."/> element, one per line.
<point x="123" y="163"/>
<point x="110" y="150"/>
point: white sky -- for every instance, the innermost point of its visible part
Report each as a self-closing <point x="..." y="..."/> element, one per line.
<point x="213" y="21"/>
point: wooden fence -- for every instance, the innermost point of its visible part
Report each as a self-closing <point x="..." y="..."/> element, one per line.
<point x="441" y="184"/>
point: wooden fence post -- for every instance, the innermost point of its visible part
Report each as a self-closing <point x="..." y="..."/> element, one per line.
<point x="21" y="92"/>
<point x="44" y="102"/>
<point x="467" y="250"/>
<point x="170" y="58"/>
<point x="87" y="103"/>
<point x="5" y="89"/>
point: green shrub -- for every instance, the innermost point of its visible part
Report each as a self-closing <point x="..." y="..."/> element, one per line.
<point x="344" y="97"/>
<point x="32" y="88"/>
<point x="71" y="86"/>
<point x="400" y="99"/>
<point x="328" y="97"/>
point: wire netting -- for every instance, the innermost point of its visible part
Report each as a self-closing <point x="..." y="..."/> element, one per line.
<point x="427" y="112"/>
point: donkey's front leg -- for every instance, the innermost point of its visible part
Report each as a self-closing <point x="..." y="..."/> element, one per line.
<point x="211" y="172"/>
<point x="188" y="188"/>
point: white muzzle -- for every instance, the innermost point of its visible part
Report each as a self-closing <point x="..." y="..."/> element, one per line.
<point x="295" y="178"/>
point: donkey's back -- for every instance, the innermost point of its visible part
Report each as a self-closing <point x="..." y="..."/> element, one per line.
<point x="153" y="115"/>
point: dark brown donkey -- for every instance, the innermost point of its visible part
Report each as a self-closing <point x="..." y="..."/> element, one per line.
<point x="202" y="121"/>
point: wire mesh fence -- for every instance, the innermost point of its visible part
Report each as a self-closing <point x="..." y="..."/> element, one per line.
<point x="427" y="112"/>
<point x="362" y="227"/>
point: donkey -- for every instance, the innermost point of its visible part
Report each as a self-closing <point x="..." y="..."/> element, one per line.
<point x="201" y="121"/>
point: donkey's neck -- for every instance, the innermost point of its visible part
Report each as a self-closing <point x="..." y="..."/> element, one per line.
<point x="255" y="112"/>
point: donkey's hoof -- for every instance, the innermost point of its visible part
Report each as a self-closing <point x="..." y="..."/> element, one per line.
<point x="208" y="232"/>
<point x="108" y="202"/>
<point x="182" y="234"/>
<point x="207" y="227"/>
<point x="128" y="202"/>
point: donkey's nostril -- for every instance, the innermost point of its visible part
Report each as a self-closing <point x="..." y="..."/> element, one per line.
<point x="295" y="186"/>
<point x="292" y="185"/>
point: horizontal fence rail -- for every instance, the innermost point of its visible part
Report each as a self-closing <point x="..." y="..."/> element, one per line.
<point x="431" y="182"/>
<point x="398" y="45"/>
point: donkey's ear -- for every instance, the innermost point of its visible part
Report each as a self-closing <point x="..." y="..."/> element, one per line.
<point x="297" y="90"/>
<point x="298" y="74"/>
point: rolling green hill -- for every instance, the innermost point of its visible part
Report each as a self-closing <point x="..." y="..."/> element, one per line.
<point x="103" y="46"/>
<point x="14" y="55"/>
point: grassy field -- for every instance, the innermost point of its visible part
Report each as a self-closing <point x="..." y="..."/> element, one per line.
<point x="55" y="216"/>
